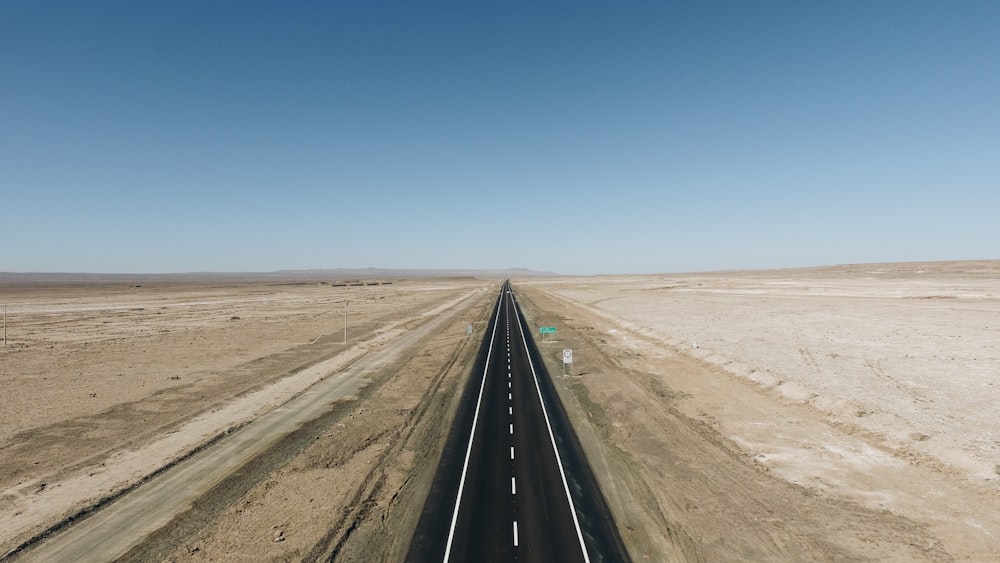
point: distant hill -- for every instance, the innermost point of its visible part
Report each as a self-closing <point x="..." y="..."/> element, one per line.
<point x="373" y="273"/>
<point x="280" y="276"/>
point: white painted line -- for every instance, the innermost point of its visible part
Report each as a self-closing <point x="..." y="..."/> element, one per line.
<point x="510" y="410"/>
<point x="562" y="472"/>
<point x="509" y="397"/>
<point x="512" y="428"/>
<point x="512" y="452"/>
<point x="513" y="486"/>
<point x="508" y="385"/>
<point x="515" y="533"/>
<point x="468" y="450"/>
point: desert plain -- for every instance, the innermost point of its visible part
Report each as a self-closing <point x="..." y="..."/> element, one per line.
<point x="846" y="413"/>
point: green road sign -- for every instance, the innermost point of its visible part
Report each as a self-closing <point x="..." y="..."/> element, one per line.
<point x="547" y="330"/>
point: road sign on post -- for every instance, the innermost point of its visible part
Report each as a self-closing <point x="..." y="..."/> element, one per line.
<point x="546" y="330"/>
<point x="567" y="360"/>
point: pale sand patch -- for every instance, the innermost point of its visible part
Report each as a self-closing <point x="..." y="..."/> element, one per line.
<point x="910" y="357"/>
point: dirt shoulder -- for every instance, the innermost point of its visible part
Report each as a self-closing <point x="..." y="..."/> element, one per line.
<point x="349" y="487"/>
<point x="95" y="380"/>
<point x="665" y="434"/>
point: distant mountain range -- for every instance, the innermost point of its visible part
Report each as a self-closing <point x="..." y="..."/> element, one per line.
<point x="338" y="274"/>
<point x="370" y="273"/>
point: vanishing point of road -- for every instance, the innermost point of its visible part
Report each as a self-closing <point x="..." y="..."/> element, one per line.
<point x="513" y="484"/>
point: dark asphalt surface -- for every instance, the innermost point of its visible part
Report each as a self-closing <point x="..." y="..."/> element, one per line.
<point x="524" y="488"/>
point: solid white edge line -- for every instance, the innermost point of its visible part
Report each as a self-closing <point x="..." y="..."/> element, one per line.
<point x="468" y="451"/>
<point x="548" y="425"/>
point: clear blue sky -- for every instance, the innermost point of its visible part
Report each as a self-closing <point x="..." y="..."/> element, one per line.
<point x="595" y="137"/>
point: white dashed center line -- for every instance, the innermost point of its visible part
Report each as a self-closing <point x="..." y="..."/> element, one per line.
<point x="515" y="533"/>
<point x="511" y="428"/>
<point x="513" y="486"/>
<point x="512" y="452"/>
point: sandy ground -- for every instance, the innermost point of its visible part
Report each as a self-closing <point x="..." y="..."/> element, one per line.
<point x="840" y="414"/>
<point x="103" y="385"/>
<point x="852" y="411"/>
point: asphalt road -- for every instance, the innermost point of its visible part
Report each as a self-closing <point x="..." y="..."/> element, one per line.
<point x="513" y="483"/>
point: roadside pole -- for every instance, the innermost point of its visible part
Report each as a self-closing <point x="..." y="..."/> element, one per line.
<point x="345" y="322"/>
<point x="4" y="324"/>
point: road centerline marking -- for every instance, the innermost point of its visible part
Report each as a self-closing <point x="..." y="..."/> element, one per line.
<point x="472" y="435"/>
<point x="548" y="425"/>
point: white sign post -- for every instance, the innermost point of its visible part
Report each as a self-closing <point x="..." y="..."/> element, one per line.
<point x="567" y="359"/>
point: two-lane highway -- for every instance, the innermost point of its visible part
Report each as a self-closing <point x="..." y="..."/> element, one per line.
<point x="503" y="491"/>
